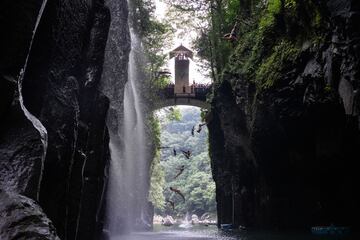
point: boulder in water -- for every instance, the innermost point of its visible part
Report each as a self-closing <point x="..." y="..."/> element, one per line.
<point x="194" y="219"/>
<point x="157" y="219"/>
<point x="168" y="221"/>
<point x="205" y="216"/>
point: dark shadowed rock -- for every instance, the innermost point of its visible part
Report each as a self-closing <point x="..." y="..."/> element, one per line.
<point x="74" y="112"/>
<point x="61" y="89"/>
<point x="20" y="144"/>
<point x="20" y="151"/>
<point x="23" y="218"/>
<point x="285" y="157"/>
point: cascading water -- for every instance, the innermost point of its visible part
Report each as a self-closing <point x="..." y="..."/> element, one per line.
<point x="134" y="132"/>
<point x="127" y="192"/>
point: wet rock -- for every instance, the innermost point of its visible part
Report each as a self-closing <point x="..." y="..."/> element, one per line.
<point x="194" y="219"/>
<point x="61" y="89"/>
<point x="157" y="219"/>
<point x="284" y="157"/>
<point x="74" y="112"/>
<point x="116" y="62"/>
<point x="168" y="221"/>
<point x="96" y="45"/>
<point x="20" y="151"/>
<point x="20" y="144"/>
<point x="23" y="218"/>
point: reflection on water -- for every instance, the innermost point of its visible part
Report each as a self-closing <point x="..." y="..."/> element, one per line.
<point x="211" y="232"/>
<point x="176" y="233"/>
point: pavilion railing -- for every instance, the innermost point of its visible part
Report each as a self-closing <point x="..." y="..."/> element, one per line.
<point x="198" y="92"/>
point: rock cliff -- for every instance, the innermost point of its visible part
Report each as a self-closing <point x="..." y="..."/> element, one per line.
<point x="284" y="138"/>
<point x="61" y="89"/>
<point x="22" y="218"/>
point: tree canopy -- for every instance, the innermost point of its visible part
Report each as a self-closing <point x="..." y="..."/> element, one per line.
<point x="196" y="181"/>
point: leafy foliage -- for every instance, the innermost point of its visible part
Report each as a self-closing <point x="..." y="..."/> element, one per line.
<point x="270" y="34"/>
<point x="196" y="181"/>
<point x="157" y="181"/>
<point x="154" y="36"/>
<point x="157" y="177"/>
<point x="270" y="69"/>
<point x="174" y="114"/>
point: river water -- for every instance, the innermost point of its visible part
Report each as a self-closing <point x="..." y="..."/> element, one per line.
<point x="212" y="233"/>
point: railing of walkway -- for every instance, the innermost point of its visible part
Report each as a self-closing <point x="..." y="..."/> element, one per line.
<point x="198" y="91"/>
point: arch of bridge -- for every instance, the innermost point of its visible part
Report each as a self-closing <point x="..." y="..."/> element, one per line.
<point x="167" y="102"/>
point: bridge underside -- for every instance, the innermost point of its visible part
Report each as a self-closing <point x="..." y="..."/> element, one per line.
<point x="196" y="97"/>
<point x="190" y="101"/>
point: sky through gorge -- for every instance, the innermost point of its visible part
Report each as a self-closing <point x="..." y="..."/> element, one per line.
<point x="185" y="37"/>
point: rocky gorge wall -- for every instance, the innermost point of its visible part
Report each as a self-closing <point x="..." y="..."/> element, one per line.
<point x="61" y="89"/>
<point x="284" y="152"/>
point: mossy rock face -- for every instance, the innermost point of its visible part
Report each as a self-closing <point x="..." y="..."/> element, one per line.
<point x="273" y="43"/>
<point x="284" y="53"/>
<point x="292" y="84"/>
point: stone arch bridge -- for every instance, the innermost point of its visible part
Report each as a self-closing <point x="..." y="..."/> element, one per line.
<point x="196" y="97"/>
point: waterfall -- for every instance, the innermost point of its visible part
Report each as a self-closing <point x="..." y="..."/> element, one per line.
<point x="35" y="121"/>
<point x="127" y="194"/>
<point x="134" y="135"/>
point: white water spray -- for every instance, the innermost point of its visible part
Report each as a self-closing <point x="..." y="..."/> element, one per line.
<point x="186" y="222"/>
<point x="128" y="179"/>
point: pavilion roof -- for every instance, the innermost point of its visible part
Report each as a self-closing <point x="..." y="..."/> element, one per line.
<point x="181" y="50"/>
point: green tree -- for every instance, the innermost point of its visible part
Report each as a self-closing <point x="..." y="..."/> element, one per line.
<point x="196" y="181"/>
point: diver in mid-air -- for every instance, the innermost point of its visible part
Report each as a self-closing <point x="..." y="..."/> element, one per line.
<point x="181" y="169"/>
<point x="187" y="153"/>
<point x="171" y="203"/>
<point x="178" y="192"/>
<point x="174" y="151"/>
<point x="200" y="127"/>
<point x="232" y="35"/>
